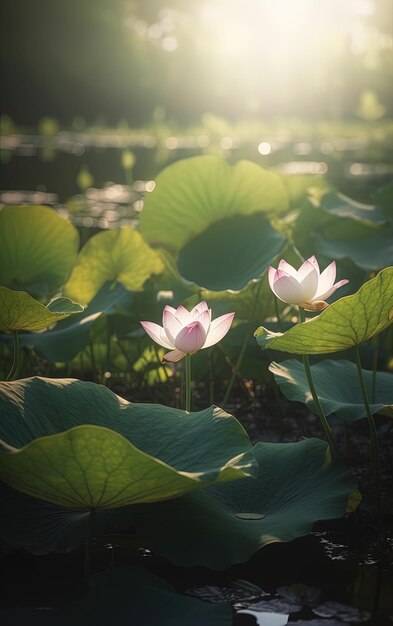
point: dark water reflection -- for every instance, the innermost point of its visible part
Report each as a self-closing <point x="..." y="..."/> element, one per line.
<point x="51" y="165"/>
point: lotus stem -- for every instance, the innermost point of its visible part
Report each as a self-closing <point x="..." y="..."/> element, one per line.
<point x="375" y="465"/>
<point x="93" y="360"/>
<point x="279" y="324"/>
<point x="211" y="378"/>
<point x="108" y="349"/>
<point x="375" y="345"/>
<point x="236" y="370"/>
<point x="334" y="451"/>
<point x="298" y="253"/>
<point x="188" y="382"/>
<point x="15" y="362"/>
<point x="88" y="550"/>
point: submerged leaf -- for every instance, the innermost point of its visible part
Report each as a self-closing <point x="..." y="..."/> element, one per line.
<point x="344" y="324"/>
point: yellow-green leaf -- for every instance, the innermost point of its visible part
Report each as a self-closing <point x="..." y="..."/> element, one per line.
<point x="344" y="324"/>
<point x="19" y="311"/>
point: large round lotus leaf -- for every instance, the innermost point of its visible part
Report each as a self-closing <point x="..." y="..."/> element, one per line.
<point x="337" y="385"/>
<point x="38" y="249"/>
<point x="216" y="528"/>
<point x="384" y="198"/>
<point x="338" y="204"/>
<point x="113" y="255"/>
<point x="63" y="343"/>
<point x="230" y="252"/>
<point x="120" y="596"/>
<point x="344" y="324"/>
<point x="370" y="251"/>
<point x="78" y="445"/>
<point x="19" y="311"/>
<point x="194" y="193"/>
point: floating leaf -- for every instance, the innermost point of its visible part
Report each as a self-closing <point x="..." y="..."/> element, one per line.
<point x="218" y="527"/>
<point x="194" y="193"/>
<point x="70" y="336"/>
<point x="113" y="255"/>
<point x="337" y="386"/>
<point x="19" y="311"/>
<point x="38" y="249"/>
<point x="344" y="324"/>
<point x="78" y="445"/>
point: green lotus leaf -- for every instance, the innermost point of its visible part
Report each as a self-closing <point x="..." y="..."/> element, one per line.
<point x="235" y="250"/>
<point x="213" y="218"/>
<point x="344" y="324"/>
<point x="337" y="386"/>
<point x="371" y="250"/>
<point x="38" y="249"/>
<point x="384" y="198"/>
<point x="338" y="204"/>
<point x="130" y="595"/>
<point x="218" y="527"/>
<point x="70" y="336"/>
<point x="113" y="255"/>
<point x="19" y="311"/>
<point x="78" y="445"/>
<point x="194" y="193"/>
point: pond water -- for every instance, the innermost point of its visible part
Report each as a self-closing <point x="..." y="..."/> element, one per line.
<point x="333" y="576"/>
<point x="46" y="169"/>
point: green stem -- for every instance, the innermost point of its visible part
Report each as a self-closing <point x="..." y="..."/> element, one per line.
<point x="188" y="382"/>
<point x="277" y="314"/>
<point x="159" y="361"/>
<point x="236" y="370"/>
<point x="298" y="253"/>
<point x="93" y="360"/>
<point x="124" y="353"/>
<point x="374" y="442"/>
<point x="211" y="379"/>
<point x="334" y="451"/>
<point x="375" y="344"/>
<point x="108" y="350"/>
<point x="15" y="362"/>
<point x="88" y="550"/>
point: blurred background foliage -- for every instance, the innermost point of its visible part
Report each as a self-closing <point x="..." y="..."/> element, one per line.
<point x="130" y="61"/>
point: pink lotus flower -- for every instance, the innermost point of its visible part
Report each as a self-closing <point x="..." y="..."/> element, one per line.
<point x="185" y="331"/>
<point x="306" y="287"/>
